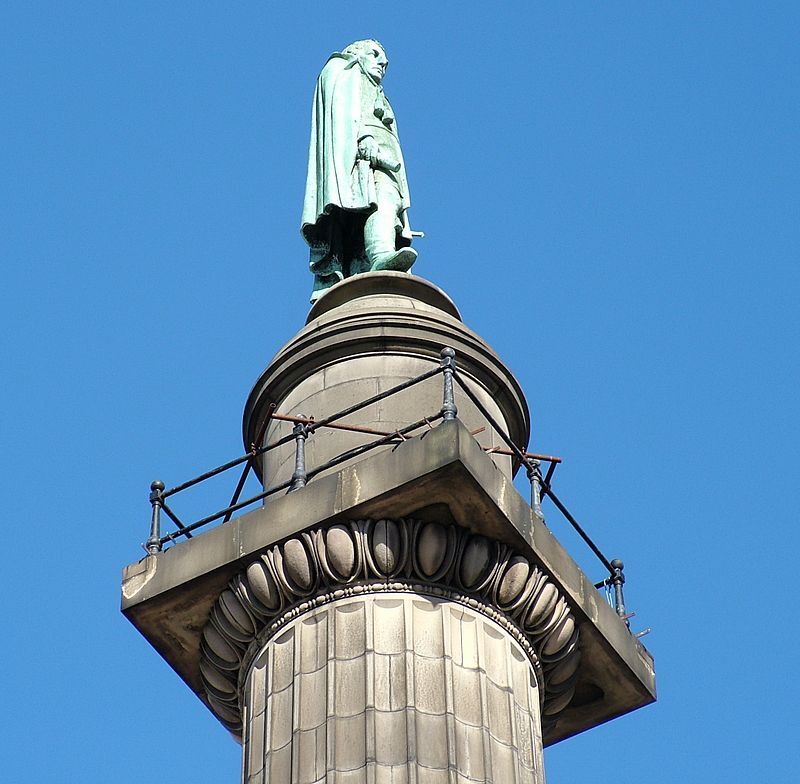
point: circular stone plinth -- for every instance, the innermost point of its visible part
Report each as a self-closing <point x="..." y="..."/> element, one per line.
<point x="364" y="336"/>
<point x="372" y="284"/>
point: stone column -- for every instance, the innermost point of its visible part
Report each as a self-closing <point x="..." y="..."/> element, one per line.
<point x="390" y="651"/>
<point x="392" y="687"/>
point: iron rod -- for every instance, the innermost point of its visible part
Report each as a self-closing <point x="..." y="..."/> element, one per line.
<point x="551" y="468"/>
<point x="312" y="428"/>
<point x="576" y="525"/>
<point x="235" y="508"/>
<point x="496" y="450"/>
<point x="285" y="485"/>
<point x="207" y="475"/>
<point x="355" y="451"/>
<point x="250" y="463"/>
<point x="227" y="466"/>
<point x="239" y="487"/>
<point x="511" y="445"/>
<point x="172" y="516"/>
<point x="375" y="398"/>
<point x="262" y="430"/>
<point x="350" y="428"/>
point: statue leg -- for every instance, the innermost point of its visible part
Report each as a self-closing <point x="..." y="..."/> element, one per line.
<point x="382" y="227"/>
<point x="326" y="268"/>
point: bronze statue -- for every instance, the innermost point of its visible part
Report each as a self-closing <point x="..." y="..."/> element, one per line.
<point x="354" y="213"/>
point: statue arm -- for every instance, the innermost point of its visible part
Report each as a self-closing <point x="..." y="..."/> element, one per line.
<point x="368" y="149"/>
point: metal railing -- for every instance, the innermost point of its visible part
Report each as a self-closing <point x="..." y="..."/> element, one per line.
<point x="305" y="427"/>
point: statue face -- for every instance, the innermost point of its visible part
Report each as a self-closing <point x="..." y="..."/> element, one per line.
<point x="374" y="61"/>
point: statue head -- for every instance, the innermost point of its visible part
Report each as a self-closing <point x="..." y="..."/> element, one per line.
<point x="371" y="56"/>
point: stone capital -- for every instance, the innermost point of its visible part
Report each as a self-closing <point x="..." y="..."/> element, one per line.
<point x="445" y="563"/>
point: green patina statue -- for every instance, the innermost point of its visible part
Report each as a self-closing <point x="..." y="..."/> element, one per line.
<point x="354" y="213"/>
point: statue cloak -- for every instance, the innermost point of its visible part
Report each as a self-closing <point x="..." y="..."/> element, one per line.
<point x="340" y="189"/>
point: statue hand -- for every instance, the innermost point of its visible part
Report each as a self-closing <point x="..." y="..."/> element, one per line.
<point x="368" y="150"/>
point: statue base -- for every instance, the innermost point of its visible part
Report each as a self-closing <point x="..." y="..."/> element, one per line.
<point x="364" y="336"/>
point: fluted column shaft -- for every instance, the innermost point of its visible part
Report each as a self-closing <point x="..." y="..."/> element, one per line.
<point x="392" y="687"/>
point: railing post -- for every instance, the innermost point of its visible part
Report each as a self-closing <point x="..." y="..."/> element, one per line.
<point x="534" y="477"/>
<point x="153" y="544"/>
<point x="618" y="580"/>
<point x="300" y="432"/>
<point x="449" y="409"/>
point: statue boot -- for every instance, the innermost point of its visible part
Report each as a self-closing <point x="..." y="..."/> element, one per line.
<point x="399" y="260"/>
<point x="381" y="231"/>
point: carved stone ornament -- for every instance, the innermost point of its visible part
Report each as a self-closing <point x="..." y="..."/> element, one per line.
<point x="366" y="556"/>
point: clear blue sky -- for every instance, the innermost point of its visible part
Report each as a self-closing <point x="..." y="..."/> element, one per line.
<point x="610" y="194"/>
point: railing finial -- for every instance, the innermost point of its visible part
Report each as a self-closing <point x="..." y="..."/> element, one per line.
<point x="535" y="478"/>
<point x="300" y="475"/>
<point x="449" y="409"/>
<point x="617" y="579"/>
<point x="153" y="544"/>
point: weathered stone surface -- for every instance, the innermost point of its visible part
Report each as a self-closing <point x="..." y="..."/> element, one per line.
<point x="263" y="585"/>
<point x="225" y="653"/>
<point x="476" y="561"/>
<point x="392" y="672"/>
<point x="297" y="564"/>
<point x="340" y="550"/>
<point x="236" y="614"/>
<point x="514" y="579"/>
<point x="560" y="636"/>
<point x="542" y="606"/>
<point x="386" y="546"/>
<point x="564" y="670"/>
<point x="431" y="548"/>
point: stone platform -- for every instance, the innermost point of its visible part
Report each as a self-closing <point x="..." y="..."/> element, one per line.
<point x="214" y="605"/>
